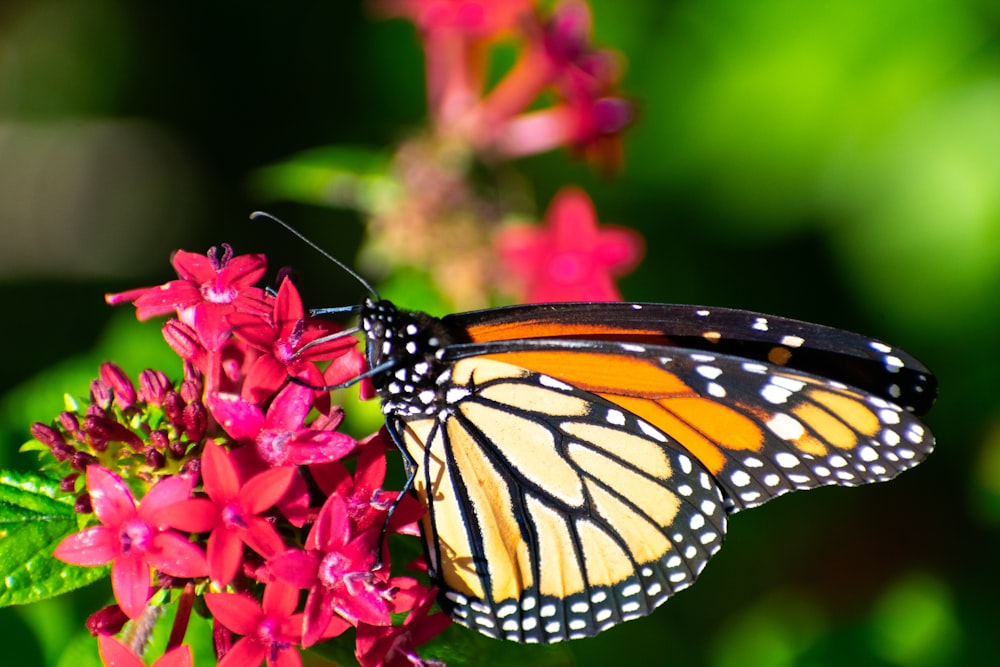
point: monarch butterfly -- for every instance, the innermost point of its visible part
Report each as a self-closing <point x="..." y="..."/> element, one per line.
<point x="579" y="461"/>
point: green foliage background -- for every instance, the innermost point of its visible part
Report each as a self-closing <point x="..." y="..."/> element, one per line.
<point x="836" y="161"/>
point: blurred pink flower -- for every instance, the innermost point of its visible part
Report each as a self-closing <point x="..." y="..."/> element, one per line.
<point x="570" y="258"/>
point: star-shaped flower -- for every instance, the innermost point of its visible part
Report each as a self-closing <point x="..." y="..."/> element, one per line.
<point x="271" y="631"/>
<point x="210" y="287"/>
<point x="134" y="539"/>
<point x="336" y="567"/>
<point x="571" y="258"/>
<point x="395" y="645"/>
<point x="279" y="439"/>
<point x="232" y="512"/>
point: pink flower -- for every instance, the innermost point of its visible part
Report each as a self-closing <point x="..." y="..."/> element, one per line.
<point x="232" y="512"/>
<point x="271" y="631"/>
<point x="570" y="258"/>
<point x="115" y="654"/>
<point x="134" y="539"/>
<point x="209" y="288"/>
<point x="279" y="437"/>
<point x="365" y="500"/>
<point x="337" y="569"/>
<point x="395" y="645"/>
<point x="288" y="345"/>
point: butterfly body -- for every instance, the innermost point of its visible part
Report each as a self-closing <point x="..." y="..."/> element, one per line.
<point x="579" y="461"/>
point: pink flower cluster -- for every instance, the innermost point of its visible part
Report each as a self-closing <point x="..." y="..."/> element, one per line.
<point x="555" y="56"/>
<point x="233" y="484"/>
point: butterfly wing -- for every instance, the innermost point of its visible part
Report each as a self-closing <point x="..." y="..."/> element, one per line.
<point x="867" y="364"/>
<point x="577" y="473"/>
<point x="760" y="429"/>
<point x="553" y="513"/>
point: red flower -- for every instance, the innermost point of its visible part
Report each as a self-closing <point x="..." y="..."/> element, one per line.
<point x="115" y="654"/>
<point x="279" y="437"/>
<point x="289" y="347"/>
<point x="395" y="645"/>
<point x="271" y="631"/>
<point x="231" y="512"/>
<point x="571" y="258"/>
<point x="209" y="288"/>
<point x="364" y="499"/>
<point x="336" y="567"/>
<point x="134" y="539"/>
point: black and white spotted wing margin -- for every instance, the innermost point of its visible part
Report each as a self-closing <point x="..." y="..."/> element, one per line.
<point x="558" y="523"/>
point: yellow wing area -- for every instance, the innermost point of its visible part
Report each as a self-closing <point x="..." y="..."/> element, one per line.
<point x="553" y="513"/>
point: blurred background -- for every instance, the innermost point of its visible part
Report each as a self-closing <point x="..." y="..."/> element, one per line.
<point x="836" y="161"/>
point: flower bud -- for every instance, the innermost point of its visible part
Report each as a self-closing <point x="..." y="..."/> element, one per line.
<point x="107" y="621"/>
<point x="68" y="421"/>
<point x="46" y="435"/>
<point x="195" y="421"/>
<point x="82" y="504"/>
<point x="80" y="460"/>
<point x="173" y="408"/>
<point x="155" y="459"/>
<point x="159" y="439"/>
<point x="100" y="394"/>
<point x="68" y="483"/>
<point x="121" y="386"/>
<point x="153" y="386"/>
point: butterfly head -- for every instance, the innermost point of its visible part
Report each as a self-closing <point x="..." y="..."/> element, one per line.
<point x="409" y="348"/>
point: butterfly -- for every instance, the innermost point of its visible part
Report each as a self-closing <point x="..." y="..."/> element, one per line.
<point x="579" y="461"/>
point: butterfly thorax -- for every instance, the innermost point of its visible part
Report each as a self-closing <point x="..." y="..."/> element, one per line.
<point x="410" y="345"/>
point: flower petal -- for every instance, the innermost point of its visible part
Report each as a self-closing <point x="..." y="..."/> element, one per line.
<point x="92" y="546"/>
<point x="243" y="271"/>
<point x="265" y="489"/>
<point x="244" y="653"/>
<point x="318" y="614"/>
<point x="237" y="611"/>
<point x="280" y="599"/>
<point x="196" y="515"/>
<point x="130" y="582"/>
<point x="218" y="474"/>
<point x="318" y="447"/>
<point x="289" y="408"/>
<point x="261" y="536"/>
<point x="115" y="654"/>
<point x="167" y="492"/>
<point x="110" y="497"/>
<point x="176" y="556"/>
<point x="176" y="657"/>
<point x="241" y="420"/>
<point x="296" y="567"/>
<point x="225" y="554"/>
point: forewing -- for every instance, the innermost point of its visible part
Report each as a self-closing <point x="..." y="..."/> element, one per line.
<point x="867" y="364"/>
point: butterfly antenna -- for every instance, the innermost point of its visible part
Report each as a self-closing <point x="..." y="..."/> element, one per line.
<point x="257" y="215"/>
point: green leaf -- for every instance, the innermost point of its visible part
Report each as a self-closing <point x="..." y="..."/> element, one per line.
<point x="339" y="176"/>
<point x="34" y="517"/>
